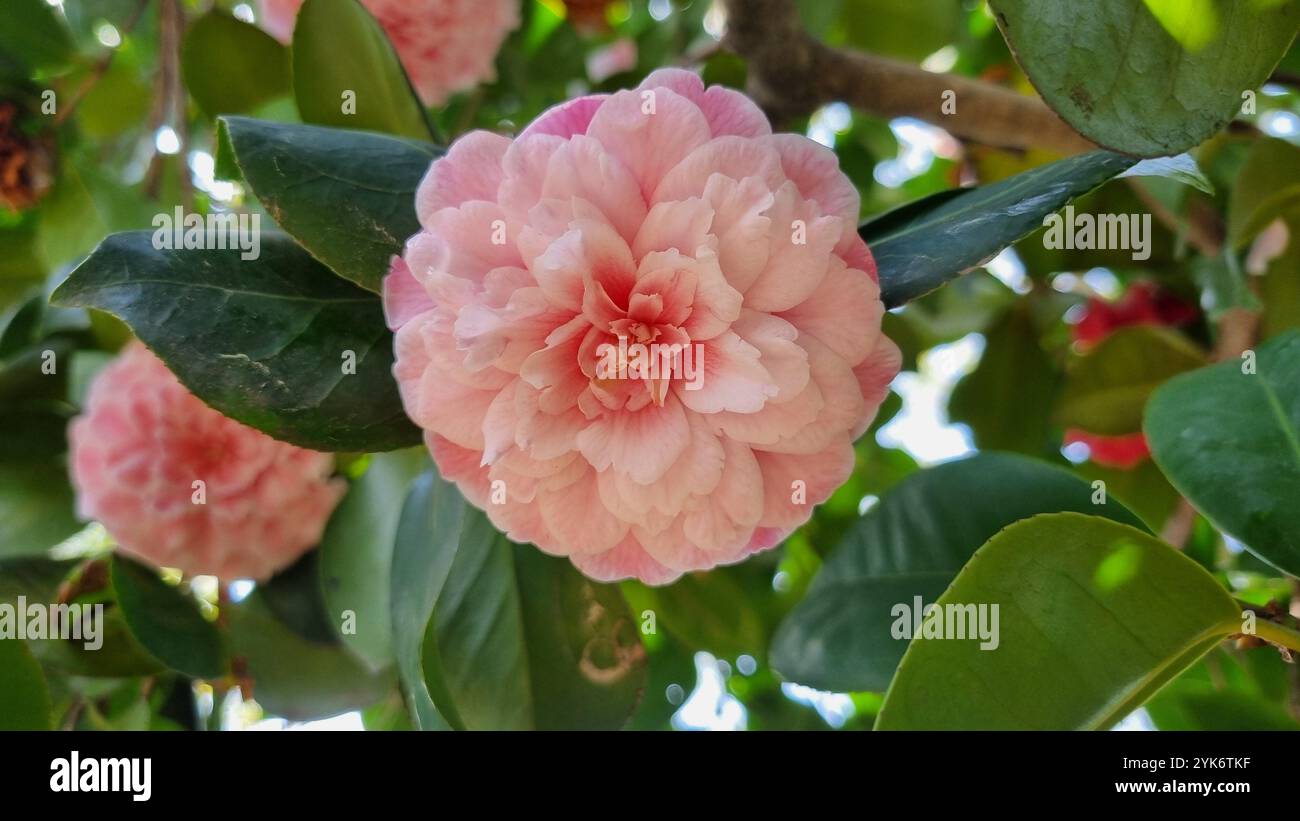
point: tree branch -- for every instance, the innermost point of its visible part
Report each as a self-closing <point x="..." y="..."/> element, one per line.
<point x="791" y="73"/>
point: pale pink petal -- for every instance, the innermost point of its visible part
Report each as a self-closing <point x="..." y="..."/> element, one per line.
<point x="844" y="313"/>
<point x="471" y="170"/>
<point x="566" y="119"/>
<point x="874" y="375"/>
<point x="649" y="131"/>
<point x="733" y="378"/>
<point x="404" y="298"/>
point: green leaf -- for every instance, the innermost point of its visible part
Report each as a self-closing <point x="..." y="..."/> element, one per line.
<point x="262" y="341"/>
<point x="1013" y="364"/>
<point x="294" y="677"/>
<point x="167" y="622"/>
<point x="491" y="635"/>
<point x="1230" y="442"/>
<point x="1093" y="618"/>
<point x="429" y="534"/>
<point x="526" y="642"/>
<point x="910" y="31"/>
<point x="1146" y="77"/>
<point x="296" y="597"/>
<point x="913" y="543"/>
<point x="1223" y="691"/>
<point x="347" y="196"/>
<point x="586" y="665"/>
<point x="34" y="36"/>
<point x="338" y="48"/>
<point x="1107" y="389"/>
<point x="1182" y="168"/>
<point x="356" y="554"/>
<point x="36" y="507"/>
<point x="1267" y="187"/>
<point x="232" y="66"/>
<point x="706" y="611"/>
<point x="24" y="697"/>
<point x="923" y="244"/>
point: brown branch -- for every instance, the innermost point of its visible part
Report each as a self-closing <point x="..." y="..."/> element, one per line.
<point x="101" y="67"/>
<point x="792" y="73"/>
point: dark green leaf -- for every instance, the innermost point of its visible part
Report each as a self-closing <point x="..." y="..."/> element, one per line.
<point x="167" y="621"/>
<point x="922" y="245"/>
<point x="296" y="597"/>
<point x="913" y="543"/>
<point x="1230" y="442"/>
<point x="347" y="196"/>
<point x="263" y="341"/>
<point x="1146" y="77"/>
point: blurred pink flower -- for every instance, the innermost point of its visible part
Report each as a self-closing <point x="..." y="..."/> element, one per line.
<point x="665" y="215"/>
<point x="445" y="45"/>
<point x="144" y="441"/>
<point x="615" y="58"/>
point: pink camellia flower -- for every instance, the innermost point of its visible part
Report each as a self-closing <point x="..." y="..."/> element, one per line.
<point x="445" y="45"/>
<point x="669" y="217"/>
<point x="143" y="445"/>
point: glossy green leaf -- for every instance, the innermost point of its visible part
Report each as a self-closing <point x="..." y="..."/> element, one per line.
<point x="426" y="543"/>
<point x="1147" y="77"/>
<point x="231" y="66"/>
<point x="356" y="555"/>
<point x="167" y="622"/>
<point x="1107" y="389"/>
<point x="526" y="642"/>
<point x="264" y="342"/>
<point x="913" y="543"/>
<point x="1230" y="442"/>
<point x="339" y="49"/>
<point x="347" y="196"/>
<point x="1093" y="618"/>
<point x="24" y="696"/>
<point x="923" y="244"/>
